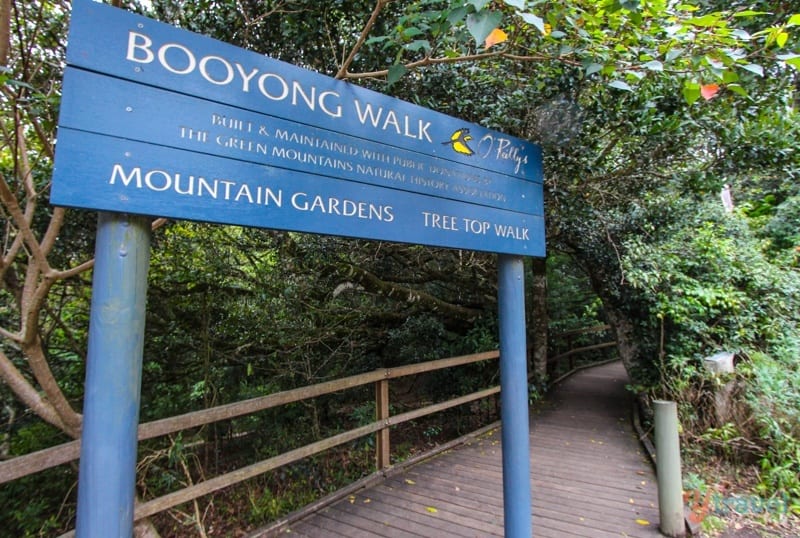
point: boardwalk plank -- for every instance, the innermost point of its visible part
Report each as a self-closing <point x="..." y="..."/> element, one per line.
<point x="419" y="500"/>
<point x="331" y="527"/>
<point x="476" y="496"/>
<point x="379" y="523"/>
<point x="589" y="478"/>
<point x="425" y="526"/>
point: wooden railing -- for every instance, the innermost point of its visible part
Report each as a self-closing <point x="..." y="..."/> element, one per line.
<point x="569" y="337"/>
<point x="21" y="466"/>
<point x="65" y="453"/>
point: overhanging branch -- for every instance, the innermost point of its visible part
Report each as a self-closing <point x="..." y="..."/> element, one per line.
<point x="372" y="283"/>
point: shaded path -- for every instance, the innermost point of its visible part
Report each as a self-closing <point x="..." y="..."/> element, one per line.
<point x="589" y="476"/>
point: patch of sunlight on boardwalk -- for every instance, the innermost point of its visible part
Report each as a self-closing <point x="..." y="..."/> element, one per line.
<point x="589" y="478"/>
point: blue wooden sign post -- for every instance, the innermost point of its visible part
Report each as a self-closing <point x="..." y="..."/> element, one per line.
<point x="113" y="377"/>
<point x="160" y="121"/>
<point x="514" y="397"/>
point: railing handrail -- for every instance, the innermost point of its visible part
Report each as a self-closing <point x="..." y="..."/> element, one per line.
<point x="34" y="462"/>
<point x="585" y="330"/>
<point x="577" y="350"/>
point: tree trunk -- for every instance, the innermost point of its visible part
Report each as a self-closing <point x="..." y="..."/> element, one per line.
<point x="622" y="326"/>
<point x="623" y="331"/>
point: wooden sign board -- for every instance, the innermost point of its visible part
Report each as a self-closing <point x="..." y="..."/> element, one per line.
<point x="160" y="121"/>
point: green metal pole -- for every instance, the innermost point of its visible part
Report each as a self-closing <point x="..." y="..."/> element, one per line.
<point x="668" y="469"/>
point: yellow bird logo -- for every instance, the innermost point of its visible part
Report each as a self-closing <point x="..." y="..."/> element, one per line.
<point x="459" y="141"/>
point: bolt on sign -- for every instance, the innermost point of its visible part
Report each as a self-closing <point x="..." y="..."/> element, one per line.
<point x="160" y="121"/>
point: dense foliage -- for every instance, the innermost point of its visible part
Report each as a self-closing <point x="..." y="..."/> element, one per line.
<point x="645" y="110"/>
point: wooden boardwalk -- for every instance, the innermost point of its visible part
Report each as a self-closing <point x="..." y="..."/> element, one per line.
<point x="589" y="478"/>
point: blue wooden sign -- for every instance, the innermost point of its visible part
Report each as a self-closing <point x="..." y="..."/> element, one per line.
<point x="160" y="121"/>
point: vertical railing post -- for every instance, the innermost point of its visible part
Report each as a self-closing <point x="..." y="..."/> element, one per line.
<point x="382" y="447"/>
<point x="668" y="469"/>
<point x="514" y="398"/>
<point x="107" y="474"/>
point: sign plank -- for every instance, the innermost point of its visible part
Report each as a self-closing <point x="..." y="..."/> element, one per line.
<point x="114" y="107"/>
<point x="116" y="174"/>
<point x="129" y="46"/>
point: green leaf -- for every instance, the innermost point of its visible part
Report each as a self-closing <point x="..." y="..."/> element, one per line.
<point x="787" y="57"/>
<point x="691" y="91"/>
<point x="741" y="34"/>
<point x="593" y="68"/>
<point x="620" y="85"/>
<point x="673" y="53"/>
<point x="478" y="4"/>
<point x="19" y="84"/>
<point x="518" y="4"/>
<point x="396" y="72"/>
<point x="378" y="39"/>
<point x="706" y="21"/>
<point x="408" y="33"/>
<point x="729" y="76"/>
<point x="733" y="54"/>
<point x="781" y="39"/>
<point x="455" y="16"/>
<point x="794" y="62"/>
<point x="794" y="20"/>
<point x="754" y="68"/>
<point x="481" y="24"/>
<point x="418" y="45"/>
<point x="750" y="13"/>
<point x="737" y="88"/>
<point x="533" y="20"/>
<point x="654" y="65"/>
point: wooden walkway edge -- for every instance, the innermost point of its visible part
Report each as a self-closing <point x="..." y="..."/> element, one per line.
<point x="589" y="476"/>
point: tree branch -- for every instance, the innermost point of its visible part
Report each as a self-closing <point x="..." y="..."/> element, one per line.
<point x="20" y="220"/>
<point x="503" y="54"/>
<point x="5" y="31"/>
<point x="343" y="70"/>
<point x="25" y="392"/>
<point x="53" y="229"/>
<point x="70" y="420"/>
<point x="372" y="283"/>
<point x="428" y="61"/>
